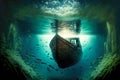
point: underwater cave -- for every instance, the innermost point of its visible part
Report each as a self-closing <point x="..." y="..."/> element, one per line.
<point x="59" y="40"/>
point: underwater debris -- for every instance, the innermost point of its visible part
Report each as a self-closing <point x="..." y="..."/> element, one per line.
<point x="43" y="62"/>
<point x="48" y="69"/>
<point x="30" y="55"/>
<point x="56" y="69"/>
<point x="48" y="54"/>
<point x="51" y="66"/>
<point x="27" y="56"/>
<point x="51" y="58"/>
<point x="38" y="59"/>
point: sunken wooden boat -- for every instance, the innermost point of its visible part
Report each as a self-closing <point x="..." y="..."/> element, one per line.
<point x="65" y="52"/>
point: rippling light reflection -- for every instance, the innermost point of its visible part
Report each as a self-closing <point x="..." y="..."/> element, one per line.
<point x="62" y="9"/>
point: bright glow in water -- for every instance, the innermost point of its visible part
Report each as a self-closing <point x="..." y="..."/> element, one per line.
<point x="83" y="38"/>
<point x="55" y="7"/>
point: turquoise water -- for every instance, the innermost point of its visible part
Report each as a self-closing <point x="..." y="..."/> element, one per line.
<point x="36" y="35"/>
<point x="29" y="22"/>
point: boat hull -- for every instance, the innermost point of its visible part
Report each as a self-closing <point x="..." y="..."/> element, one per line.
<point x="65" y="53"/>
